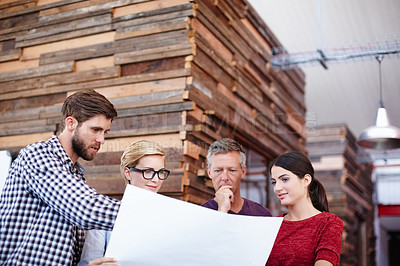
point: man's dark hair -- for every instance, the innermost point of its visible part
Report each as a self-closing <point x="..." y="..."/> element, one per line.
<point x="86" y="104"/>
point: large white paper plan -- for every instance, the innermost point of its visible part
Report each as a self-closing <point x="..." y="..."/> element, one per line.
<point x="152" y="229"/>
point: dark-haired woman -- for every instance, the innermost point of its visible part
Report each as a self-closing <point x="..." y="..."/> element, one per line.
<point x="309" y="234"/>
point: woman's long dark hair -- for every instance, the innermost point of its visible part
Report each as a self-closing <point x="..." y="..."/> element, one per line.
<point x="300" y="165"/>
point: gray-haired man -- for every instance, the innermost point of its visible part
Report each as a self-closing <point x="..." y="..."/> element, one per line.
<point x="226" y="162"/>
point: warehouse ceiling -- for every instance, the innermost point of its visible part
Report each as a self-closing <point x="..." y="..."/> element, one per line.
<point x="348" y="91"/>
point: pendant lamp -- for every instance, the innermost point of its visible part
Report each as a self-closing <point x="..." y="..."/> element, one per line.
<point x="381" y="136"/>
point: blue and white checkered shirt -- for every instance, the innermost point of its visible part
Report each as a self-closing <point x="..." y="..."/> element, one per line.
<point x="45" y="206"/>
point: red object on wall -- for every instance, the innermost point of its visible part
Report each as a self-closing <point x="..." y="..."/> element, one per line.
<point x="389" y="210"/>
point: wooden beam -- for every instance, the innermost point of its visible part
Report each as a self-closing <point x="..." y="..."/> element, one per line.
<point x="153" y="16"/>
<point x="9" y="55"/>
<point x="26" y="127"/>
<point x="36" y="51"/>
<point x="157" y="53"/>
<point x="93" y="64"/>
<point x="96" y="84"/>
<point x="212" y="41"/>
<point x="149" y="99"/>
<point x="12" y="88"/>
<point x="151" y="28"/>
<point x="175" y="107"/>
<point x="146" y="6"/>
<point x="16" y="65"/>
<point x="119" y="46"/>
<point x="23" y="140"/>
<point x="61" y="27"/>
<point x="18" y="6"/>
<point x="140" y="88"/>
<point x="57" y="68"/>
<point x="120" y="144"/>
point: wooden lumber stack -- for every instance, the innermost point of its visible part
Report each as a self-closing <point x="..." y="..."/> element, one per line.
<point x="180" y="72"/>
<point x="333" y="152"/>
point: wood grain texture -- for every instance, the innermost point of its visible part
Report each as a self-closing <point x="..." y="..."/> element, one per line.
<point x="348" y="185"/>
<point x="182" y="73"/>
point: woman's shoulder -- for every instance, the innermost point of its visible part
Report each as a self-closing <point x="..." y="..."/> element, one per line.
<point x="331" y="218"/>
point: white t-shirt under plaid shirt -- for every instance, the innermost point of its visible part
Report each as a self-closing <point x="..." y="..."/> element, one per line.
<point x="45" y="206"/>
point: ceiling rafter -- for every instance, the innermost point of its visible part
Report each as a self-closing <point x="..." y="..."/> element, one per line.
<point x="281" y="59"/>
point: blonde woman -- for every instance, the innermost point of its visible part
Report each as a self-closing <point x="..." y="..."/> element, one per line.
<point x="142" y="165"/>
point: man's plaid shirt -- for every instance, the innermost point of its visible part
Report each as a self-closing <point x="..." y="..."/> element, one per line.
<point x="45" y="206"/>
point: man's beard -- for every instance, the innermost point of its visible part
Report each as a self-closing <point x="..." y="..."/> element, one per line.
<point x="79" y="147"/>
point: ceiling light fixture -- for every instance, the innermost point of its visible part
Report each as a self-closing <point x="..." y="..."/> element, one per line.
<point x="381" y="136"/>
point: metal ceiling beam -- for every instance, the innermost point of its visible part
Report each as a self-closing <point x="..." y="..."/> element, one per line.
<point x="283" y="60"/>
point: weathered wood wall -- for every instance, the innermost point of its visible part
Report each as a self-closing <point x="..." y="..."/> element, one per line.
<point x="333" y="152"/>
<point x="183" y="73"/>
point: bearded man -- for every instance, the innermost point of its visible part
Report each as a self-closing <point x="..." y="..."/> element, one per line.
<point x="46" y="205"/>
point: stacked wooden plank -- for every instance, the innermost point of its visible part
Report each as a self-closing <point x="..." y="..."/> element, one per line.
<point x="236" y="94"/>
<point x="183" y="73"/>
<point x="333" y="152"/>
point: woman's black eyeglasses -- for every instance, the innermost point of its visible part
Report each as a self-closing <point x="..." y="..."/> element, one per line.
<point x="149" y="173"/>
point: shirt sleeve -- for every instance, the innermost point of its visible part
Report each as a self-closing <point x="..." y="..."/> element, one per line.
<point x="330" y="240"/>
<point x="65" y="192"/>
<point x="211" y="204"/>
<point x="94" y="247"/>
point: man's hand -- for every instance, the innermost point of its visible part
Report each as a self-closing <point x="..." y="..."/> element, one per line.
<point x="224" y="198"/>
<point x="101" y="261"/>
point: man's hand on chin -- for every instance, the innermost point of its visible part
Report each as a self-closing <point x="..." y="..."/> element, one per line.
<point x="224" y="197"/>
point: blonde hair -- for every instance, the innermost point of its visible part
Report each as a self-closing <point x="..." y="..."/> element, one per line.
<point x="135" y="151"/>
